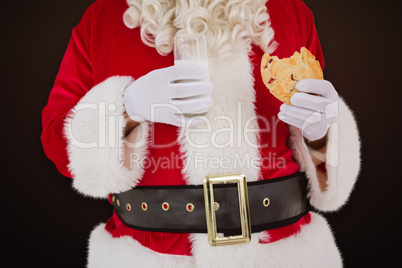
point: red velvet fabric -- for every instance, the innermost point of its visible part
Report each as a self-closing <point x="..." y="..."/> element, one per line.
<point x="101" y="46"/>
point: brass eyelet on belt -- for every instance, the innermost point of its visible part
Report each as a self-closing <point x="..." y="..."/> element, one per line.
<point x="266" y="202"/>
<point x="113" y="198"/>
<point x="118" y="202"/>
<point x="144" y="206"/>
<point x="190" y="207"/>
<point x="216" y="206"/>
<point x="128" y="207"/>
<point x="165" y="206"/>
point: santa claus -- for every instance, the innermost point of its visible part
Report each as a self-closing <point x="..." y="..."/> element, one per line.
<point x="231" y="187"/>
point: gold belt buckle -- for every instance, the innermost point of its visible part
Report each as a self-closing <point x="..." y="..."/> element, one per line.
<point x="213" y="238"/>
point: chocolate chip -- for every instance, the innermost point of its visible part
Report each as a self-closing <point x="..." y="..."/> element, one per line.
<point x="270" y="60"/>
<point x="291" y="77"/>
<point x="271" y="80"/>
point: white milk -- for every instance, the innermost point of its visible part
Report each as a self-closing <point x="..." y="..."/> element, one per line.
<point x="202" y="63"/>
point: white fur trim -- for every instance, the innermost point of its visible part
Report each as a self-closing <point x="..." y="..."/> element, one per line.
<point x="313" y="247"/>
<point x="342" y="161"/>
<point x="222" y="138"/>
<point x="124" y="252"/>
<point x="94" y="130"/>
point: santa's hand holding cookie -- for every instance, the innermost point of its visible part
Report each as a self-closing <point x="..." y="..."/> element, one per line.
<point x="313" y="108"/>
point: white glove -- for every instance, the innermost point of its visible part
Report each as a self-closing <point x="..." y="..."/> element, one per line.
<point x="157" y="98"/>
<point x="310" y="113"/>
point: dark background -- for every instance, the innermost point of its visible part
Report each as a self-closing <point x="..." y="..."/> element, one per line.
<point x="45" y="222"/>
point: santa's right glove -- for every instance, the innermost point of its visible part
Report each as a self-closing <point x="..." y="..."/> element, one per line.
<point x="312" y="114"/>
<point x="166" y="95"/>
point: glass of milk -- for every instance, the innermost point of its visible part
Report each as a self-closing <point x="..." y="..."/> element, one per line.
<point x="191" y="49"/>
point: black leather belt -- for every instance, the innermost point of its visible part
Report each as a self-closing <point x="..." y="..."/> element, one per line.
<point x="272" y="204"/>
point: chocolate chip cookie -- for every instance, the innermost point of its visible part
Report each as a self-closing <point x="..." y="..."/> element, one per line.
<point x="281" y="75"/>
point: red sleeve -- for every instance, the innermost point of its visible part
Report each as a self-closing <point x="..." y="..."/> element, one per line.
<point x="294" y="28"/>
<point x="73" y="80"/>
<point x="313" y="43"/>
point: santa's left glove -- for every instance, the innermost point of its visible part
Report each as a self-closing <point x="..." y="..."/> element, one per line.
<point x="313" y="108"/>
<point x="168" y="95"/>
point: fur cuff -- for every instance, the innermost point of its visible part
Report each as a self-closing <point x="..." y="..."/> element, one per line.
<point x="94" y="129"/>
<point x="342" y="161"/>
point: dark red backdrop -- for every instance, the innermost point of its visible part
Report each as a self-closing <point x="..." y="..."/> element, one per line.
<point x="45" y="222"/>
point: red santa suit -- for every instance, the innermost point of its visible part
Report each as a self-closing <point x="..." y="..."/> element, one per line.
<point x="83" y="135"/>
